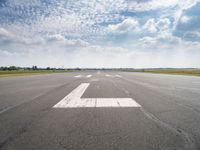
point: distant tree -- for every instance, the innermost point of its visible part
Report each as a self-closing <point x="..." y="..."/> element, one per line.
<point x="48" y="68"/>
<point x="35" y="68"/>
<point x="12" y="68"/>
<point x="77" y="69"/>
<point x="4" y="68"/>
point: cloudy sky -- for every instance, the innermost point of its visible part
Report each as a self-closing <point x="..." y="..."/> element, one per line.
<point x="100" y="33"/>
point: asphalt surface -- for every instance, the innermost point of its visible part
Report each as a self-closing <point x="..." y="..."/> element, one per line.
<point x="168" y="119"/>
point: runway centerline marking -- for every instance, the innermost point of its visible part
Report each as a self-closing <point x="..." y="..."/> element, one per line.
<point x="118" y="76"/>
<point x="78" y="76"/>
<point x="89" y="76"/>
<point x="107" y="75"/>
<point x="74" y="100"/>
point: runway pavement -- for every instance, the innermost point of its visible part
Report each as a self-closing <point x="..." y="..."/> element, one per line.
<point x="100" y="110"/>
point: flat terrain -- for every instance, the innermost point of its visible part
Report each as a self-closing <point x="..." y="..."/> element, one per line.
<point x="191" y="72"/>
<point x="28" y="72"/>
<point x="99" y="110"/>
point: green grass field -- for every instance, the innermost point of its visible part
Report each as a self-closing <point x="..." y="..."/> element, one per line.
<point x="192" y="72"/>
<point x="28" y="72"/>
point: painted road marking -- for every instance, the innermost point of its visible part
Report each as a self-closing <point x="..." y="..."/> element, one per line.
<point x="107" y="75"/>
<point x="94" y="80"/>
<point x="78" y="76"/>
<point x="89" y="76"/>
<point x="118" y="76"/>
<point x="73" y="96"/>
<point x="74" y="100"/>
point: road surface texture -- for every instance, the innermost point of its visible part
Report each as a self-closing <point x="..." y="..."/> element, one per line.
<point x="100" y="110"/>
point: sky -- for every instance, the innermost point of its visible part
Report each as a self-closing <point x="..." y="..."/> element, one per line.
<point x="100" y="33"/>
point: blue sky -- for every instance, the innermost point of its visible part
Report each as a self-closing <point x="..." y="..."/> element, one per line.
<point x="100" y="33"/>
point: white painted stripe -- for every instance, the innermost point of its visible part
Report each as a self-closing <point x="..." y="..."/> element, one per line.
<point x="74" y="100"/>
<point x="88" y="102"/>
<point x="127" y="102"/>
<point x="107" y="102"/>
<point x="107" y="75"/>
<point x="89" y="76"/>
<point x="78" y="76"/>
<point x="118" y="76"/>
<point x="74" y="96"/>
<point x="98" y="102"/>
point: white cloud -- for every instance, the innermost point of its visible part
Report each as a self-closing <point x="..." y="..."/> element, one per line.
<point x="24" y="2"/>
<point x="102" y="56"/>
<point x="163" y="50"/>
<point x="65" y="33"/>
<point x="150" y="25"/>
<point x="156" y="27"/>
<point x="151" y="5"/>
<point x="132" y="26"/>
<point x="185" y="19"/>
<point x="61" y="40"/>
<point x="194" y="33"/>
<point x="6" y="35"/>
<point x="127" y="25"/>
<point x="165" y="41"/>
<point x="182" y="6"/>
<point x="4" y="32"/>
<point x="187" y="4"/>
<point x="160" y="4"/>
<point x="163" y="24"/>
<point x="74" y="18"/>
<point x="167" y="8"/>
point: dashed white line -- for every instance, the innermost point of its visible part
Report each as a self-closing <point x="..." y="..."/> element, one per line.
<point x="89" y="76"/>
<point x="78" y="76"/>
<point x="107" y="75"/>
<point x="118" y="76"/>
<point x="74" y="100"/>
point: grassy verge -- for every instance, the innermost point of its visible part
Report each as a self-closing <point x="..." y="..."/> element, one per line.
<point x="28" y="72"/>
<point x="191" y="72"/>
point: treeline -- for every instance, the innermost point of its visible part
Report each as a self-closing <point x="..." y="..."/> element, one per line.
<point x="15" y="68"/>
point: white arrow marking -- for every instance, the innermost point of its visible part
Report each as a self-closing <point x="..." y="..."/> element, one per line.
<point x="74" y="100"/>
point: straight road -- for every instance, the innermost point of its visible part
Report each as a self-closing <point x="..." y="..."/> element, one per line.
<point x="100" y="110"/>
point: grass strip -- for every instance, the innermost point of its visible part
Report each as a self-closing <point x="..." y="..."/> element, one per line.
<point x="28" y="73"/>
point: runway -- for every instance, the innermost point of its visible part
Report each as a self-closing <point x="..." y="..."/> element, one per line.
<point x="100" y="110"/>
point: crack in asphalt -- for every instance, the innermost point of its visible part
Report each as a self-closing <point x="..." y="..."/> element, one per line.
<point x="11" y="138"/>
<point x="23" y="129"/>
<point x="188" y="139"/>
<point x="175" y="102"/>
<point x="36" y="97"/>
